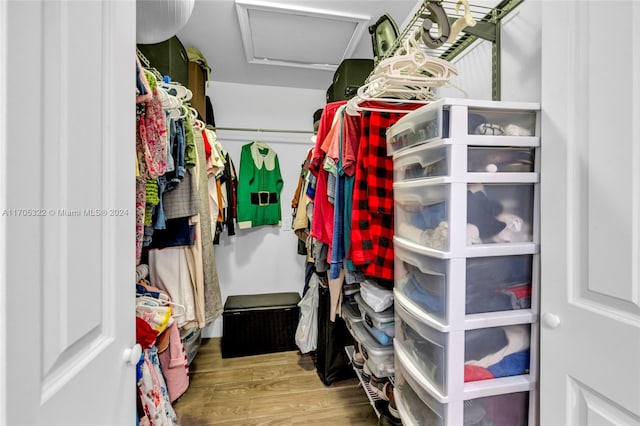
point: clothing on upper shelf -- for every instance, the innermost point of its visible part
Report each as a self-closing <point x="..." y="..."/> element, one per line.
<point x="259" y="186"/>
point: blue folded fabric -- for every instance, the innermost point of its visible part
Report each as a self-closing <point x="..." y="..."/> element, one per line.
<point x="142" y="290"/>
<point x="512" y="365"/>
<point x="380" y="336"/>
<point x="431" y="303"/>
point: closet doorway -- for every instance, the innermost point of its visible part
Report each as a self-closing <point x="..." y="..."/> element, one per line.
<point x="67" y="118"/>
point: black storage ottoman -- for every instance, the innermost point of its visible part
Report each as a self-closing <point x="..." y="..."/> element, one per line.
<point x="255" y="324"/>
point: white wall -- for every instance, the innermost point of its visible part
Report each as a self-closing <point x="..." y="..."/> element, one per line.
<point x="263" y="259"/>
<point x="520" y="56"/>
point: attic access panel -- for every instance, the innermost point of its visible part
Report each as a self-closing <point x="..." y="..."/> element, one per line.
<point x="297" y="36"/>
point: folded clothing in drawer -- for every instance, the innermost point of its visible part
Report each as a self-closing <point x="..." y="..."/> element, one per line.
<point x="494" y="283"/>
<point x="488" y="352"/>
<point x="418" y="407"/>
<point x="496" y="213"/>
<point x="496" y="352"/>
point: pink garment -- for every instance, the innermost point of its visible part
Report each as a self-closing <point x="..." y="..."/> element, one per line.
<point x="473" y="373"/>
<point x="173" y="361"/>
<point x="174" y="364"/>
<point x="153" y="133"/>
<point x="350" y="143"/>
<point x="141" y="199"/>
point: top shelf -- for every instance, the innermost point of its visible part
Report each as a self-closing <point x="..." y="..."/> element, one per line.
<point x="487" y="15"/>
<point x="486" y="18"/>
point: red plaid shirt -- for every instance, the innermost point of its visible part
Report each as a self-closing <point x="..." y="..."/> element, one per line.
<point x="372" y="213"/>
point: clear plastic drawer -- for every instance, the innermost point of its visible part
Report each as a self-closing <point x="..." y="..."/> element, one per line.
<point x="419" y="126"/>
<point x="489" y="353"/>
<point x="444" y="158"/>
<point x="417" y="407"/>
<point x="503" y="159"/>
<point x="489" y="121"/>
<point x="460" y="118"/>
<point x="491" y="284"/>
<point x="495" y="212"/>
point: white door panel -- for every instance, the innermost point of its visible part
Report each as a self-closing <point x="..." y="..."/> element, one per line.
<point x="69" y="212"/>
<point x="590" y="233"/>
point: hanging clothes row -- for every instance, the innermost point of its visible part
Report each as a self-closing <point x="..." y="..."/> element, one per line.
<point x="350" y="183"/>
<point x="351" y="232"/>
<point x="184" y="187"/>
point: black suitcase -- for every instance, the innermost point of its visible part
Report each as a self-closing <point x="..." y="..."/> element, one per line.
<point x="350" y="75"/>
<point x="170" y="58"/>
<point x="332" y="362"/>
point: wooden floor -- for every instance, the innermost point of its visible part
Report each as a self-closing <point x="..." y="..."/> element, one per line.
<point x="273" y="389"/>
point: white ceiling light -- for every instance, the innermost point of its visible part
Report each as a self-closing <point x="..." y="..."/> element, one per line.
<point x="296" y="36"/>
<point x="159" y="20"/>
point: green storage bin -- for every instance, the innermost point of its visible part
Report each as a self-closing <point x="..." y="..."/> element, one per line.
<point x="169" y="58"/>
<point x="350" y="75"/>
<point x="330" y="96"/>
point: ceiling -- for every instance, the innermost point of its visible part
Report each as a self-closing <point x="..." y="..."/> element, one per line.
<point x="313" y="34"/>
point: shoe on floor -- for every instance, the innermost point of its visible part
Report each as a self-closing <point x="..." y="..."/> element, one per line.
<point x="386" y="419"/>
<point x="358" y="360"/>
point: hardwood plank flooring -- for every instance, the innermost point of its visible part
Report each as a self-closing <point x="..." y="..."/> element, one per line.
<point x="273" y="389"/>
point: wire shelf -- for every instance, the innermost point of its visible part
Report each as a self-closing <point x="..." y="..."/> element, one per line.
<point x="371" y="394"/>
<point x="478" y="13"/>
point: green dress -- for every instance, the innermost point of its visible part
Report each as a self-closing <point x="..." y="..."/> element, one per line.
<point x="259" y="186"/>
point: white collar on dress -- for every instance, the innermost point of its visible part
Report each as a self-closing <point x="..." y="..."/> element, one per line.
<point x="269" y="160"/>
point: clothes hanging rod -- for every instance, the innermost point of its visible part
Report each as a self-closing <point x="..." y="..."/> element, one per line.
<point x="246" y="129"/>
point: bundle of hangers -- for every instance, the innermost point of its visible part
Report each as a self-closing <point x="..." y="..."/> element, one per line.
<point x="410" y="76"/>
<point x="173" y="95"/>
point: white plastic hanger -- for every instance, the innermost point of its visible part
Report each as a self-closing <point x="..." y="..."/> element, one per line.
<point x="465" y="21"/>
<point x="353" y="105"/>
<point x="143" y="301"/>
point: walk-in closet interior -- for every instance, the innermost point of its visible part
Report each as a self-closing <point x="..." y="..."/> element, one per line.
<point x="363" y="212"/>
<point x="373" y="270"/>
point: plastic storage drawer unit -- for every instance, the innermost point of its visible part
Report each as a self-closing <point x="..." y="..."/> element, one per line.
<point x="479" y="122"/>
<point x="417" y="407"/>
<point x="379" y="357"/>
<point x="489" y="284"/>
<point x="379" y="324"/>
<point x="495" y="212"/>
<point x="489" y="353"/>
